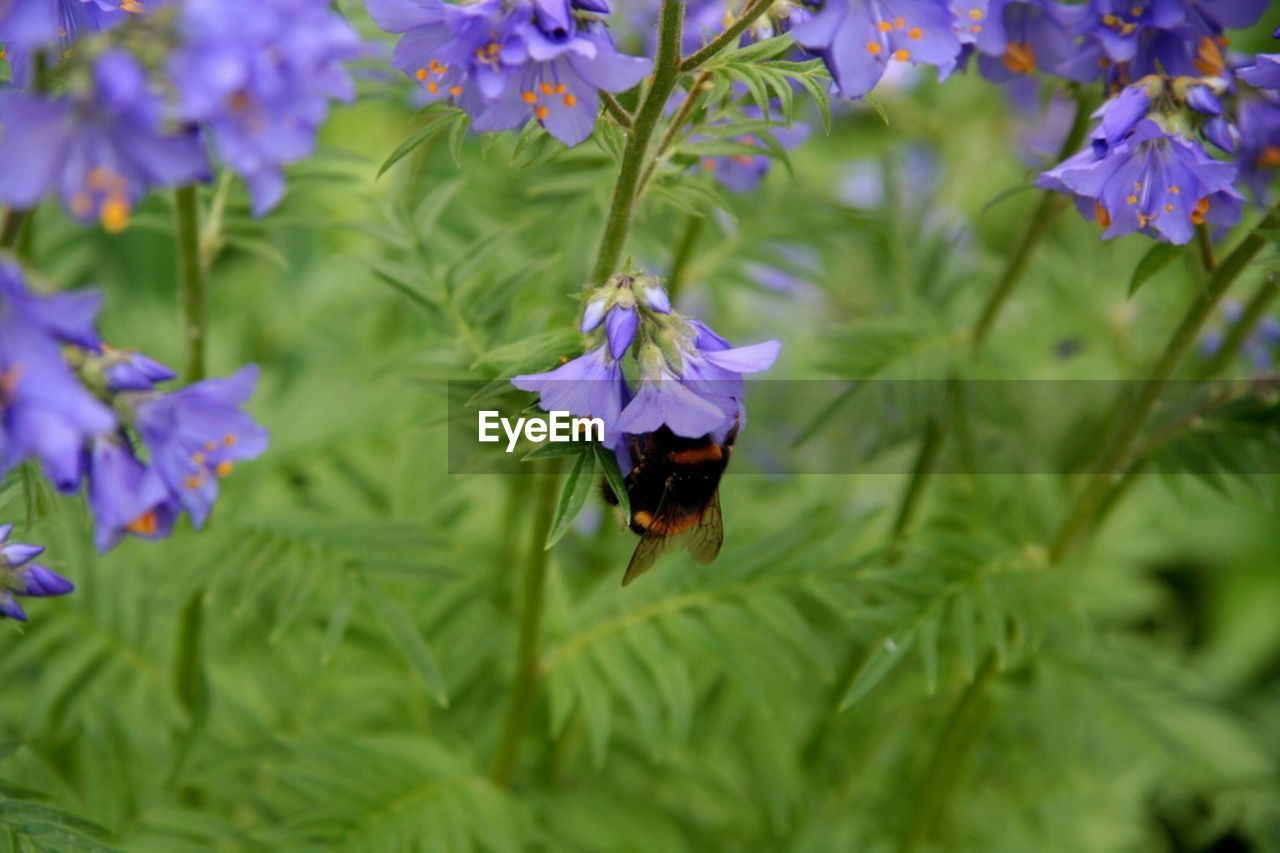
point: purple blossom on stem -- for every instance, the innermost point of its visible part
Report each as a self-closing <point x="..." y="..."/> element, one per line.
<point x="1016" y="38"/>
<point x="196" y="435"/>
<point x="125" y="496"/>
<point x="259" y="75"/>
<point x="100" y="151"/>
<point x="45" y="413"/>
<point x="590" y="386"/>
<point x="21" y="577"/>
<point x="859" y="38"/>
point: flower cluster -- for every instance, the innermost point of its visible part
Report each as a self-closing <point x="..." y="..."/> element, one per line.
<point x="1146" y="168"/>
<point x="253" y="79"/>
<point x="76" y="406"/>
<point x="21" y="577"/>
<point x="505" y="63"/>
<point x="689" y="379"/>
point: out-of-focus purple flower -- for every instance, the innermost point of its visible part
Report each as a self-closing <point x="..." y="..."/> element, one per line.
<point x="1258" y="147"/>
<point x="1161" y="183"/>
<point x="1263" y="73"/>
<point x="44" y="412"/>
<point x="506" y="63"/>
<point x="1016" y="37"/>
<point x="1260" y="348"/>
<point x="133" y="371"/>
<point x="259" y="75"/>
<point x="196" y="435"/>
<point x="99" y="151"/>
<point x="859" y="38"/>
<point x="742" y="173"/>
<point x="29" y="25"/>
<point x="21" y="577"/>
<point x="125" y="496"/>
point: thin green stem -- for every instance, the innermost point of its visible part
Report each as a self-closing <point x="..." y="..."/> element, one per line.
<point x="1132" y="415"/>
<point x="728" y="37"/>
<point x="948" y="758"/>
<point x="1051" y="204"/>
<point x="677" y="122"/>
<point x="195" y="297"/>
<point x="615" y="109"/>
<point x="926" y="459"/>
<point x="526" y="683"/>
<point x="634" y="156"/>
<point x="1204" y="242"/>
<point x="1240" y="332"/>
<point x="679" y="269"/>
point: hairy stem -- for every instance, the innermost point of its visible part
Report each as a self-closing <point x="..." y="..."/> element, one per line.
<point x="195" y="297"/>
<point x="1132" y="415"/>
<point x="748" y="17"/>
<point x="677" y="122"/>
<point x="634" y="156"/>
<point x="526" y="683"/>
<point x="616" y="110"/>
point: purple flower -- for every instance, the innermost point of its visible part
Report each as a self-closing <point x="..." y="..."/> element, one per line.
<point x="506" y="63"/>
<point x="133" y="371"/>
<point x="590" y="386"/>
<point x="1258" y="148"/>
<point x="593" y="314"/>
<point x="259" y="74"/>
<point x="1161" y="183"/>
<point x="620" y="329"/>
<point x="1016" y="37"/>
<point x="44" y="412"/>
<point x="100" y="151"/>
<point x="1263" y="73"/>
<point x="125" y="496"/>
<point x="859" y="38"/>
<point x="21" y="577"/>
<point x="196" y="435"/>
<point x="742" y="173"/>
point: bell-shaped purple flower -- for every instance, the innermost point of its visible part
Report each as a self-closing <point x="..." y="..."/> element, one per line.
<point x="859" y="38"/>
<point x="44" y="411"/>
<point x="1258" y="151"/>
<point x="125" y="496"/>
<point x="196" y="435"/>
<point x="21" y="577"/>
<point x="1017" y="38"/>
<point x="100" y="151"/>
<point x="590" y="386"/>
<point x="663" y="399"/>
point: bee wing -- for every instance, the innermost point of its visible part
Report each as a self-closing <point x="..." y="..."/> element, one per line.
<point x="646" y="554"/>
<point x="705" y="539"/>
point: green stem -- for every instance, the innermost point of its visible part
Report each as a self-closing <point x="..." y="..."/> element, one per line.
<point x="948" y="758"/>
<point x="926" y="459"/>
<point x="634" y="156"/>
<point x="684" y="254"/>
<point x="1239" y="333"/>
<point x="1131" y="416"/>
<point x="728" y="37"/>
<point x="1050" y="206"/>
<point x="195" y="297"/>
<point x="615" y="109"/>
<point x="526" y="683"/>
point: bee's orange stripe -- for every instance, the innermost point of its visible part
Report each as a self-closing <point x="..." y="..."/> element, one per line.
<point x="665" y="526"/>
<point x="710" y="453"/>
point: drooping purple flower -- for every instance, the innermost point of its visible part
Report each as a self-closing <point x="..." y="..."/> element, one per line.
<point x="590" y="386"/>
<point x="859" y="38"/>
<point x="259" y="75"/>
<point x="100" y="151"/>
<point x="133" y="371"/>
<point x="196" y="435"/>
<point x="21" y="577"/>
<point x="44" y="412"/>
<point x="125" y="496"/>
<point x="1161" y="183"/>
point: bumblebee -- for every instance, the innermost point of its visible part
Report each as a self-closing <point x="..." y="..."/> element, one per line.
<point x="674" y="489"/>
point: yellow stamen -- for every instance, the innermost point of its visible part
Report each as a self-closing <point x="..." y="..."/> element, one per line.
<point x="114" y="214"/>
<point x="224" y="468"/>
<point x="902" y="55"/>
<point x="1020" y="58"/>
<point x="144" y="525"/>
<point x="874" y="48"/>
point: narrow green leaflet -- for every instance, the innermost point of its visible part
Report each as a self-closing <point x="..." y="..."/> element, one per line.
<point x="573" y="495"/>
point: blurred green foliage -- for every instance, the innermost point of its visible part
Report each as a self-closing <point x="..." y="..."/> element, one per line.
<point x="360" y="604"/>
